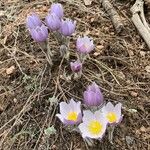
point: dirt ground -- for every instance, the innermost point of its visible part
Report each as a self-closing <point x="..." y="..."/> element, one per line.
<point x="120" y="65"/>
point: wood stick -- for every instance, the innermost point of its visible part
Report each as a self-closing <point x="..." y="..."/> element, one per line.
<point x="115" y="18"/>
<point x="139" y="21"/>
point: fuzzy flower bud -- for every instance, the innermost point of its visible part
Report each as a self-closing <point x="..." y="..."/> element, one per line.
<point x="33" y="21"/>
<point x="40" y="33"/>
<point x="84" y="45"/>
<point x="93" y="95"/>
<point x="67" y="27"/>
<point x="57" y="9"/>
<point x="53" y="22"/>
<point x="76" y="66"/>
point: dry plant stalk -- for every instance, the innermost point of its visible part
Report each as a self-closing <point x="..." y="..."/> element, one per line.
<point x="115" y="18"/>
<point x="139" y="21"/>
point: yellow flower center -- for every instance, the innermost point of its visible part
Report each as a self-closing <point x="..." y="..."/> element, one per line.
<point x="72" y="116"/>
<point x="95" y="127"/>
<point x="112" y="117"/>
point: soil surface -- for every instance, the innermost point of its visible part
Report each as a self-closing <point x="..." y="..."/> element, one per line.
<point x="30" y="89"/>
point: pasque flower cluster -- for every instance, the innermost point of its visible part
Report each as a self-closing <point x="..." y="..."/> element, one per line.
<point x="92" y="124"/>
<point x="53" y="21"/>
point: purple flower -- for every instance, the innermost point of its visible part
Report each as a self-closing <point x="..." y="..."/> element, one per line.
<point x="67" y="27"/>
<point x="84" y="45"/>
<point x="93" y="95"/>
<point x="57" y="9"/>
<point x="33" y="21"/>
<point x="112" y="113"/>
<point x="53" y="22"/>
<point x="70" y="113"/>
<point x="76" y="66"/>
<point x="40" y="33"/>
<point x="94" y="125"/>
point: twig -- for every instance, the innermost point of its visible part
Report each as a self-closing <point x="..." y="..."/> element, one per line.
<point x="115" y="18"/>
<point x="139" y="21"/>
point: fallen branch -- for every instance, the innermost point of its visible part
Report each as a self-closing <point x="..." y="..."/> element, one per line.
<point x="139" y="21"/>
<point x="115" y="18"/>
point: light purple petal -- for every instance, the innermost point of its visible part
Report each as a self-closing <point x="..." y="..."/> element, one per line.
<point x="57" y="9"/>
<point x="78" y="107"/>
<point x="60" y="117"/>
<point x="109" y="107"/>
<point x="83" y="130"/>
<point x="64" y="109"/>
<point x="53" y="22"/>
<point x="87" y="116"/>
<point x="33" y="21"/>
<point x="84" y="45"/>
<point x="117" y="109"/>
<point x="67" y="27"/>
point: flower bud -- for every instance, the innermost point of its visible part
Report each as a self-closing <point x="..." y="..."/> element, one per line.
<point x="40" y="33"/>
<point x="33" y="21"/>
<point x="53" y="22"/>
<point x="57" y="9"/>
<point x="84" y="45"/>
<point x="93" y="95"/>
<point x="67" y="27"/>
<point x="76" y="66"/>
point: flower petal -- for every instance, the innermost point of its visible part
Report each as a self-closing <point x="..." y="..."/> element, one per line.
<point x="118" y="109"/>
<point x="87" y="116"/>
<point x="64" y="109"/>
<point x="60" y="117"/>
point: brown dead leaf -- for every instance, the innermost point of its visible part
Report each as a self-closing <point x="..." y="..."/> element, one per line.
<point x="10" y="70"/>
<point x="88" y="2"/>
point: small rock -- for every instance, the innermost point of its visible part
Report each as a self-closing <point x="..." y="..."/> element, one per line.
<point x="96" y="54"/>
<point x="143" y="129"/>
<point x="142" y="53"/>
<point x="87" y="2"/>
<point x="2" y="13"/>
<point x="133" y="94"/>
<point x="10" y="70"/>
<point x="92" y="19"/>
<point x="130" y="53"/>
<point x="15" y="100"/>
<point x="147" y="68"/>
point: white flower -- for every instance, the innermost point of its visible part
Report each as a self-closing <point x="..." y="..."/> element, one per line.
<point x="70" y="113"/>
<point x="94" y="125"/>
<point x="112" y="113"/>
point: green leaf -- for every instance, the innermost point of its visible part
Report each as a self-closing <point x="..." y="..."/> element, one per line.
<point x="50" y="130"/>
<point x="53" y="100"/>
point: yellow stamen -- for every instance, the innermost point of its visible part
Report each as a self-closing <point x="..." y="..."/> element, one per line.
<point x="72" y="116"/>
<point x="95" y="127"/>
<point x="112" y="117"/>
